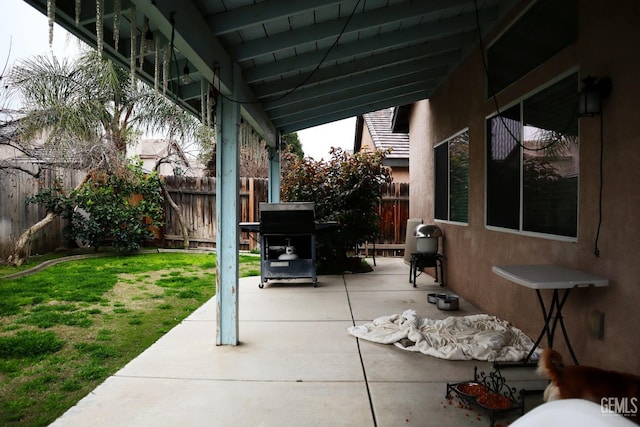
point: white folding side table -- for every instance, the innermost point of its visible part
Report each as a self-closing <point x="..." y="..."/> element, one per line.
<point x="553" y="277"/>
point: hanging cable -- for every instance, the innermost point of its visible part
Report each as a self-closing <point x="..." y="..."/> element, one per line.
<point x="311" y="74"/>
<point x="596" y="250"/>
<point x="172" y="55"/>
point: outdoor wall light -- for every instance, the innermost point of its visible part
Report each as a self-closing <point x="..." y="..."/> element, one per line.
<point x="591" y="96"/>
<point x="186" y="78"/>
<point x="147" y="40"/>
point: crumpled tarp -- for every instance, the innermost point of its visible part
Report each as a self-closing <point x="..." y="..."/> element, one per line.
<point x="478" y="336"/>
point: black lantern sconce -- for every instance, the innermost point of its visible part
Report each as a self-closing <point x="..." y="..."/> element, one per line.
<point x="147" y="39"/>
<point x="591" y="96"/>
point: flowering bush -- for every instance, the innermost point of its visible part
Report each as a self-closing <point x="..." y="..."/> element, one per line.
<point x="346" y="189"/>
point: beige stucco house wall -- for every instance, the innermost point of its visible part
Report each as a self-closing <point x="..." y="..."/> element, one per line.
<point x="608" y="40"/>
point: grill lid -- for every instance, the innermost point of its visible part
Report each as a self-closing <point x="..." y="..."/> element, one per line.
<point x="287" y="218"/>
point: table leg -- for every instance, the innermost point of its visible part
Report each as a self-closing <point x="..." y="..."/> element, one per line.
<point x="559" y="319"/>
<point x="549" y="330"/>
<point x="545" y="328"/>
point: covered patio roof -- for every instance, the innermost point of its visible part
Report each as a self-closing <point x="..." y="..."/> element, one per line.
<point x="303" y="63"/>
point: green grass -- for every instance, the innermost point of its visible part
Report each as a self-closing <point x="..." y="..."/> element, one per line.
<point x="37" y="259"/>
<point x="65" y="329"/>
<point x="29" y="344"/>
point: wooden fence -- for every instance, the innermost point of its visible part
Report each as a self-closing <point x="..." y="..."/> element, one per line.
<point x="16" y="214"/>
<point x="394" y="213"/>
<point x="196" y="198"/>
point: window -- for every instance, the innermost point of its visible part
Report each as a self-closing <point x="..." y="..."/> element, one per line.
<point x="545" y="29"/>
<point x="532" y="163"/>
<point x="452" y="179"/>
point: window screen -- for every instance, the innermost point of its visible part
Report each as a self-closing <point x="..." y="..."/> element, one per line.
<point x="533" y="162"/>
<point x="452" y="179"/>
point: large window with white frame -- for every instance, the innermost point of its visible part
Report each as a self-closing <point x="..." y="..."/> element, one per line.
<point x="532" y="161"/>
<point x="452" y="178"/>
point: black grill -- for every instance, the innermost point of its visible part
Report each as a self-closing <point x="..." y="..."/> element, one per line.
<point x="287" y="241"/>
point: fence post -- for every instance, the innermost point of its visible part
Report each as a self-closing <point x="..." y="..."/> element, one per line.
<point x="252" y="201"/>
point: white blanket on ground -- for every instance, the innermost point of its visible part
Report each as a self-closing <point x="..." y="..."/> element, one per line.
<point x="479" y="336"/>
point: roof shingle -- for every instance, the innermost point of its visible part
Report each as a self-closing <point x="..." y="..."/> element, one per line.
<point x="379" y="125"/>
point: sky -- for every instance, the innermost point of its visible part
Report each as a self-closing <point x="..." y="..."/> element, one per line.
<point x="317" y="141"/>
<point x="24" y="33"/>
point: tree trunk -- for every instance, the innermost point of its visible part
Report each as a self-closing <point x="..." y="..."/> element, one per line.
<point x="20" y="253"/>
<point x="176" y="209"/>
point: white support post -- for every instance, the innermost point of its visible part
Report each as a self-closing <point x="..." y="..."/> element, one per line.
<point x="227" y="215"/>
<point x="274" y="171"/>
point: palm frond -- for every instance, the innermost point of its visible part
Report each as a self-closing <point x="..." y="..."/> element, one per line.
<point x="91" y="105"/>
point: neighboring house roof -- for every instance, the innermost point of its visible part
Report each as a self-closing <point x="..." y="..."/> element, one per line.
<point x="148" y="150"/>
<point x="379" y="123"/>
<point x="14" y="150"/>
<point x="8" y="130"/>
<point x="158" y="149"/>
<point x="8" y="133"/>
<point x="172" y="154"/>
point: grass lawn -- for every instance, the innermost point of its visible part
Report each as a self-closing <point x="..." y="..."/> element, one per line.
<point x="67" y="328"/>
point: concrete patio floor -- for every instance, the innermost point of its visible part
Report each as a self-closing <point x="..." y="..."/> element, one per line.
<point x="296" y="365"/>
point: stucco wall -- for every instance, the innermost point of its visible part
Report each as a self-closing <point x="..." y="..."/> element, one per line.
<point x="367" y="141"/>
<point x="420" y="162"/>
<point x="607" y="46"/>
<point x="399" y="174"/>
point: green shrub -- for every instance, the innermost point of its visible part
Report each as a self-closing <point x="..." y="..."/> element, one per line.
<point x="115" y="209"/>
<point x="347" y="189"/>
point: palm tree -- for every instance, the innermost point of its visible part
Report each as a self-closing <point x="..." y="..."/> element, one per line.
<point x="88" y="111"/>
